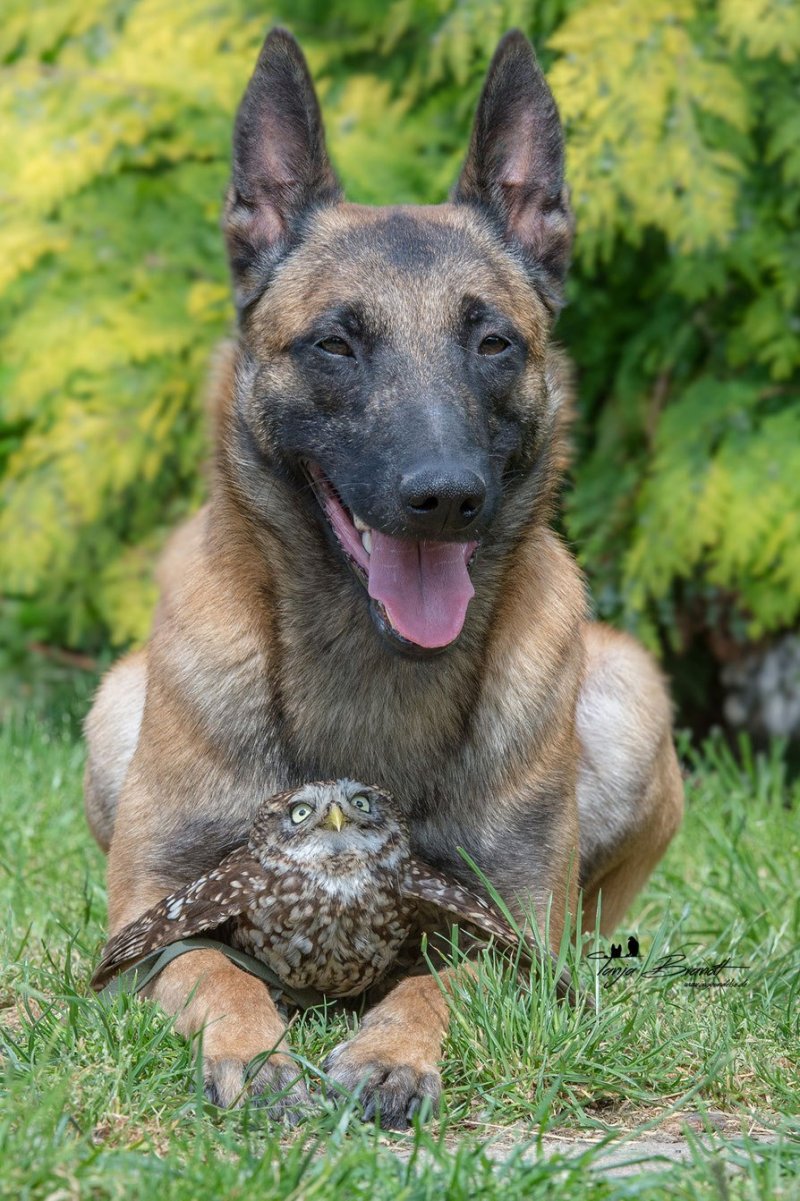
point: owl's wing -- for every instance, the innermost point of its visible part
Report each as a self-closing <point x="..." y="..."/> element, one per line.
<point x="424" y="883"/>
<point x="207" y="902"/>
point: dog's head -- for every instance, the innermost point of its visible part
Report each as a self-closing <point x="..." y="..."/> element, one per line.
<point x="394" y="366"/>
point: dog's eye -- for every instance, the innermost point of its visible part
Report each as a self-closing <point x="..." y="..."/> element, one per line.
<point x="493" y="344"/>
<point x="361" y="802"/>
<point x="336" y="346"/>
<point x="299" y="813"/>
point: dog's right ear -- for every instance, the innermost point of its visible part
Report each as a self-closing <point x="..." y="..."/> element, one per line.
<point x="281" y="168"/>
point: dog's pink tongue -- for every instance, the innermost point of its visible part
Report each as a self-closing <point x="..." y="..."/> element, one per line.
<point x="424" y="586"/>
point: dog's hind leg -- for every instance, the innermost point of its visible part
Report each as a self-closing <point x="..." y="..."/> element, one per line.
<point x="630" y="792"/>
<point x="112" y="732"/>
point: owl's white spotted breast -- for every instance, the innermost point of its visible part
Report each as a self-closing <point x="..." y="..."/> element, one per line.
<point x="337" y="933"/>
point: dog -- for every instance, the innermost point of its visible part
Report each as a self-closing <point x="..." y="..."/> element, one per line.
<point x="373" y="589"/>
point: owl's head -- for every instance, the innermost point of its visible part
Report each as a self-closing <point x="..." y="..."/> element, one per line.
<point x="342" y="819"/>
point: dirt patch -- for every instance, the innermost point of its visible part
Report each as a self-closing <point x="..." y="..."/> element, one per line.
<point x="621" y="1151"/>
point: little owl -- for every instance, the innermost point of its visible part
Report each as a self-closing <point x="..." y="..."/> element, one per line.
<point x="325" y="893"/>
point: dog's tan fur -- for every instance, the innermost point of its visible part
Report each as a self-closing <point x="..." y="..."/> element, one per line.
<point x="263" y="671"/>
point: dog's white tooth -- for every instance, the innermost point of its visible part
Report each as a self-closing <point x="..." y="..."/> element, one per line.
<point x="366" y="541"/>
<point x="359" y="524"/>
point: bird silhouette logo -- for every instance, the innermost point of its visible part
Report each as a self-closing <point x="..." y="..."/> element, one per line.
<point x="633" y="949"/>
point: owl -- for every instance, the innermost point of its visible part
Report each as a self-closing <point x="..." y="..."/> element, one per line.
<point x="325" y="893"/>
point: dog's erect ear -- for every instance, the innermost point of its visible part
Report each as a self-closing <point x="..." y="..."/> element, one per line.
<point x="515" y="163"/>
<point x="281" y="168"/>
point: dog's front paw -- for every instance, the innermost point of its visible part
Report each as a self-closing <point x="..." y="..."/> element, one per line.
<point x="273" y="1082"/>
<point x="389" y="1085"/>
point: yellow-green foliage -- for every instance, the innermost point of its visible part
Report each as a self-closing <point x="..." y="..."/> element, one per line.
<point x="683" y="124"/>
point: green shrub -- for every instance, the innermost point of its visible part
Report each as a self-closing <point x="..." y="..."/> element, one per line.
<point x="684" y="160"/>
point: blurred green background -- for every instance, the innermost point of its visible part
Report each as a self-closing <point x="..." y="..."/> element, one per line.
<point x="683" y="130"/>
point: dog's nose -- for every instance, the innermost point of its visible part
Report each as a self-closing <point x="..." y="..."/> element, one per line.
<point x="442" y="499"/>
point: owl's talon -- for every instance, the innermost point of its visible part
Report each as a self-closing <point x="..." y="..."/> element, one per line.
<point x="275" y="1086"/>
<point x="393" y="1092"/>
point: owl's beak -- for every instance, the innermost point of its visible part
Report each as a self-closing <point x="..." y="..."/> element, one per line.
<point x="335" y="819"/>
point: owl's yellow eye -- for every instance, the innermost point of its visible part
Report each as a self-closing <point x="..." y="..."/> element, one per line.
<point x="361" y="802"/>
<point x="300" y="812"/>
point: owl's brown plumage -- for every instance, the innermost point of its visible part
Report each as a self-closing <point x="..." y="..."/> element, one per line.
<point x="325" y="893"/>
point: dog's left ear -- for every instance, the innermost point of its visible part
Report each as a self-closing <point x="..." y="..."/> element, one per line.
<point x="514" y="168"/>
<point x="281" y="170"/>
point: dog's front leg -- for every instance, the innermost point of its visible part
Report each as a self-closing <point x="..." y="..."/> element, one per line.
<point x="209" y="996"/>
<point x="239" y="1022"/>
<point x="394" y="1057"/>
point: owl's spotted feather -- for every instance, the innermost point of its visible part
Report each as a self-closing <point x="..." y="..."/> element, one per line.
<point x="326" y="892"/>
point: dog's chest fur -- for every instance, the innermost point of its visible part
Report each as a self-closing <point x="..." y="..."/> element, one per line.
<point x="314" y="696"/>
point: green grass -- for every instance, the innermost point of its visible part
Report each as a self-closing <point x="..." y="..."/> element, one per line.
<point x="102" y="1099"/>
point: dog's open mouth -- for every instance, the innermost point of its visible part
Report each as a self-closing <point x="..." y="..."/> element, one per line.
<point x="420" y="590"/>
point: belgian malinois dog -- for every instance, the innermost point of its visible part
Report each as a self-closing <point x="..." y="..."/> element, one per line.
<point x="373" y="590"/>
